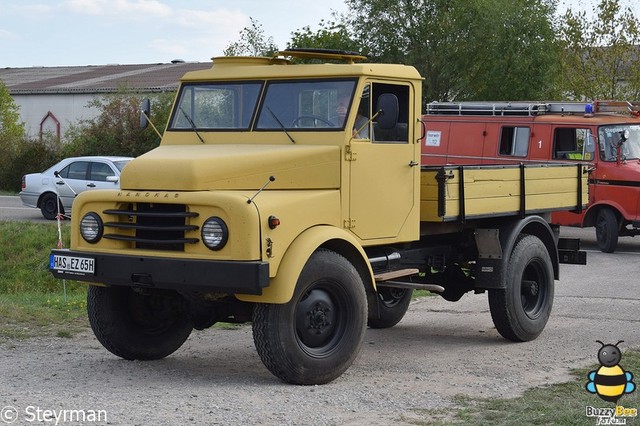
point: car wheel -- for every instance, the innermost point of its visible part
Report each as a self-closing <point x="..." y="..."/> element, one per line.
<point x="48" y="206"/>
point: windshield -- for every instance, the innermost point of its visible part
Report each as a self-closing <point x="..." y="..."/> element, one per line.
<point x="120" y="164"/>
<point x="221" y="106"/>
<point x="288" y="105"/>
<point x="625" y="136"/>
<point x="320" y="104"/>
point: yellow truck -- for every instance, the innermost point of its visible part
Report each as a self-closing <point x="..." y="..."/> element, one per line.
<point x="291" y="195"/>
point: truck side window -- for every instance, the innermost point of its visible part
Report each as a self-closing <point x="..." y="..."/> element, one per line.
<point x="568" y="143"/>
<point x="399" y="133"/>
<point x="514" y="141"/>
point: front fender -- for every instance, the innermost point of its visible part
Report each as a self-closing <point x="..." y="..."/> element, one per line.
<point x="282" y="286"/>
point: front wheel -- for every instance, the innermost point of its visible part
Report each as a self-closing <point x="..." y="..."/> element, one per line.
<point x="521" y="310"/>
<point x="607" y="230"/>
<point x="138" y="324"/>
<point x="316" y="336"/>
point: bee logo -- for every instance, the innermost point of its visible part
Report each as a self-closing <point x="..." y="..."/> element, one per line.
<point x="610" y="381"/>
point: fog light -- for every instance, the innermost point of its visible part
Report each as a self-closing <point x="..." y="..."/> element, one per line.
<point x="91" y="228"/>
<point x="214" y="233"/>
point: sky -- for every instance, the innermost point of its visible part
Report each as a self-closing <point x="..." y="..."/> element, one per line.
<point x="98" y="32"/>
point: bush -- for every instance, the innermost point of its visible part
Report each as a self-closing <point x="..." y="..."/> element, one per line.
<point x="28" y="156"/>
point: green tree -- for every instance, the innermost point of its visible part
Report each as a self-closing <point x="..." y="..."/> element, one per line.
<point x="116" y="130"/>
<point x="11" y="128"/>
<point x="252" y="42"/>
<point x="465" y="49"/>
<point x="329" y="35"/>
<point x="600" y="55"/>
<point x="11" y="138"/>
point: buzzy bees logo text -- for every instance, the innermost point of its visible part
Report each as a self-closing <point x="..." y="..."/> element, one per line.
<point x="610" y="382"/>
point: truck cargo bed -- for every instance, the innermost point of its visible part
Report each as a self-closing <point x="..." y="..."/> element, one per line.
<point x="459" y="193"/>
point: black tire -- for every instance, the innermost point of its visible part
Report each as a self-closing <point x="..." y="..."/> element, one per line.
<point x="391" y="307"/>
<point x="316" y="336"/>
<point x="138" y="325"/>
<point x="48" y="206"/>
<point x="521" y="310"/>
<point x="607" y="230"/>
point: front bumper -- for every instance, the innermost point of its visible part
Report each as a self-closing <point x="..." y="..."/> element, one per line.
<point x="247" y="277"/>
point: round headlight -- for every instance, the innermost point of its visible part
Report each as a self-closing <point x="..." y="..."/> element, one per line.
<point x="91" y="227"/>
<point x="214" y="233"/>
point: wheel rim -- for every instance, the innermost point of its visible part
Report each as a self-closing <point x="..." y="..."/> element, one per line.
<point x="390" y="297"/>
<point x="533" y="289"/>
<point x="50" y="205"/>
<point x="320" y="321"/>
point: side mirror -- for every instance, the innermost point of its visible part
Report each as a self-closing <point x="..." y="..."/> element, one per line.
<point x="387" y="109"/>
<point x="590" y="144"/>
<point x="145" y="112"/>
<point x="113" y="179"/>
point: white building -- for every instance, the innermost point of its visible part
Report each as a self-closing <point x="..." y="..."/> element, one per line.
<point x="52" y="98"/>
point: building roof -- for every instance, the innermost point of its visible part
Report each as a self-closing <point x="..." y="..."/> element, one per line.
<point x="97" y="78"/>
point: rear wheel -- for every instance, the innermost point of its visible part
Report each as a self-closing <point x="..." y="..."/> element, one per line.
<point x="391" y="307"/>
<point x="607" y="230"/>
<point x="49" y="206"/>
<point x="521" y="310"/>
<point x="138" y="324"/>
<point x="314" y="337"/>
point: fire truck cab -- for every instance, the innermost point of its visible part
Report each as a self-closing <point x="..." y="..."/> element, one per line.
<point x="606" y="134"/>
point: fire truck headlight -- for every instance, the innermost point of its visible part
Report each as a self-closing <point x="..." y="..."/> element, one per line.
<point x="214" y="233"/>
<point x="91" y="227"/>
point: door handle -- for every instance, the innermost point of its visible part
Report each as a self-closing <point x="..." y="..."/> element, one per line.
<point x="413" y="163"/>
<point x="91" y="185"/>
<point x="59" y="182"/>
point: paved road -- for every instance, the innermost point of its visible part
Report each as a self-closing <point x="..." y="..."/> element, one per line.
<point x="440" y="349"/>
<point x="11" y="208"/>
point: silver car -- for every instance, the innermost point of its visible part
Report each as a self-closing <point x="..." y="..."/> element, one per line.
<point x="68" y="178"/>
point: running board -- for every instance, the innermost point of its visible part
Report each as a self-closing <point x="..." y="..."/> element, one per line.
<point x="386" y="276"/>
<point x="386" y="279"/>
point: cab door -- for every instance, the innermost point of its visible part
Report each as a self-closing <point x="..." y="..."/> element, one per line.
<point x="384" y="168"/>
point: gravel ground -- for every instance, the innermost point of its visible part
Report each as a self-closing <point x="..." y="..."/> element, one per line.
<point x="439" y="350"/>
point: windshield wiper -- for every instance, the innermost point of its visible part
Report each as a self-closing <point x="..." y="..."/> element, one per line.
<point x="281" y="125"/>
<point x="193" y="125"/>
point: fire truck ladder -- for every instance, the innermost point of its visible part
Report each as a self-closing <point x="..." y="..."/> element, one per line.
<point x="531" y="108"/>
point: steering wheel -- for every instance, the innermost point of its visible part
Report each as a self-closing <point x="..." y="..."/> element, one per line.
<point x="316" y="118"/>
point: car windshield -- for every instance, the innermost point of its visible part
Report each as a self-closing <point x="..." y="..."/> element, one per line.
<point x="220" y="106"/>
<point x="625" y="136"/>
<point x="120" y="164"/>
<point x="290" y="105"/>
<point x="317" y="104"/>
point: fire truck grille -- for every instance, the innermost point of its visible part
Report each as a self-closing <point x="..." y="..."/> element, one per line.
<point x="152" y="226"/>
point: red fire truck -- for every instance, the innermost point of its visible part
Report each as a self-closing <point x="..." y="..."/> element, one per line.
<point x="605" y="134"/>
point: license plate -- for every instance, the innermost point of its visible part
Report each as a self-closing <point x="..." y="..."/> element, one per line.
<point x="72" y="264"/>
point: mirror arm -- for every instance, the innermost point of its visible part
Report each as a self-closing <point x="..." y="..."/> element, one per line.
<point x="152" y="125"/>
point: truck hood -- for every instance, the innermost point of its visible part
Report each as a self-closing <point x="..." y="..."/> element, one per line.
<point x="237" y="167"/>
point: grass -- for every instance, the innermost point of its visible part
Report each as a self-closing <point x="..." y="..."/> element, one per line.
<point x="32" y="301"/>
<point x="560" y="404"/>
<point x="24" y="256"/>
<point x="27" y="315"/>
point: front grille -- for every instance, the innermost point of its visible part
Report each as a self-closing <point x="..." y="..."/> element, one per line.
<point x="152" y="226"/>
